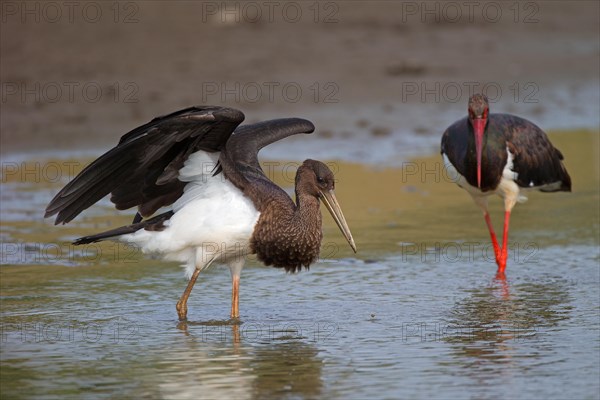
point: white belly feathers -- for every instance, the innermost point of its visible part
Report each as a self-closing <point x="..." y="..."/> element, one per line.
<point x="213" y="220"/>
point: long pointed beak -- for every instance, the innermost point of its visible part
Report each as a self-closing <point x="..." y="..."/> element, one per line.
<point x="334" y="208"/>
<point x="479" y="129"/>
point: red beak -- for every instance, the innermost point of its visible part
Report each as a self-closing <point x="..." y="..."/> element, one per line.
<point x="479" y="129"/>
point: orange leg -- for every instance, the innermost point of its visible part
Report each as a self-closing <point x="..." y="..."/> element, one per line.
<point x="504" y="254"/>
<point x="182" y="303"/>
<point x="235" y="296"/>
<point x="497" y="250"/>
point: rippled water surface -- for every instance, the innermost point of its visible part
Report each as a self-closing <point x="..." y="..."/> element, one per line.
<point x="417" y="314"/>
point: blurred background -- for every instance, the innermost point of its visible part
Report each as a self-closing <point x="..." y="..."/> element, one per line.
<point x="380" y="79"/>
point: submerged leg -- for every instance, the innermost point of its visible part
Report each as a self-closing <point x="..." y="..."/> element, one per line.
<point x="482" y="202"/>
<point x="182" y="303"/>
<point x="235" y="267"/>
<point x="504" y="254"/>
<point x="235" y="296"/>
<point x="488" y="221"/>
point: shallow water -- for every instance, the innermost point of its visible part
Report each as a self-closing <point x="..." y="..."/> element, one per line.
<point x="348" y="329"/>
<point x="417" y="313"/>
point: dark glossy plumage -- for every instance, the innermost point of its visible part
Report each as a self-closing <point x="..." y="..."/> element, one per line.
<point x="535" y="159"/>
<point x="156" y="223"/>
<point x="239" y="161"/>
<point x="142" y="171"/>
<point x="500" y="154"/>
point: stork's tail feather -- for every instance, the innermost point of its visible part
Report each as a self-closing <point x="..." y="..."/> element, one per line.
<point x="108" y="234"/>
<point x="153" y="224"/>
<point x="562" y="185"/>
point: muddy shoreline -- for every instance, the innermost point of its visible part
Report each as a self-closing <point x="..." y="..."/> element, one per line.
<point x="374" y="74"/>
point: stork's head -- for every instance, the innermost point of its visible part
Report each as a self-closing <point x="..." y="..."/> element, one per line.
<point x="315" y="178"/>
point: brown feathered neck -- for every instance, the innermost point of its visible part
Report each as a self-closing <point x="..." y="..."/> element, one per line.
<point x="288" y="235"/>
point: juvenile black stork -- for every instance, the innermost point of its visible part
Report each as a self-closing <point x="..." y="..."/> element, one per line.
<point x="223" y="206"/>
<point x="501" y="154"/>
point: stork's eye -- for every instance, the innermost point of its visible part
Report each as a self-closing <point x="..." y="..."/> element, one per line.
<point x="320" y="180"/>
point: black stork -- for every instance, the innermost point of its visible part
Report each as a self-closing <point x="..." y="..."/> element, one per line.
<point x="501" y="154"/>
<point x="222" y="205"/>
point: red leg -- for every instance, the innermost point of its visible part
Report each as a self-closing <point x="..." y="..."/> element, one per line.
<point x="504" y="255"/>
<point x="488" y="221"/>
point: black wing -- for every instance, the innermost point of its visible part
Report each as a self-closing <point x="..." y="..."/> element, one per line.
<point x="239" y="160"/>
<point x="458" y="144"/>
<point x="142" y="170"/>
<point x="536" y="161"/>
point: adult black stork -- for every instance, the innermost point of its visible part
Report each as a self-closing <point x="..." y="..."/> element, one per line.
<point x="501" y="154"/>
<point x="223" y="206"/>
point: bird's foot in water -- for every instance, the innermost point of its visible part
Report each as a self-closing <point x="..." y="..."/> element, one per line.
<point x="181" y="310"/>
<point x="497" y="253"/>
<point x="501" y="261"/>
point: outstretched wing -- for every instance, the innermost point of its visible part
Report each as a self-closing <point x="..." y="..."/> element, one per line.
<point x="239" y="160"/>
<point x="142" y="170"/>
